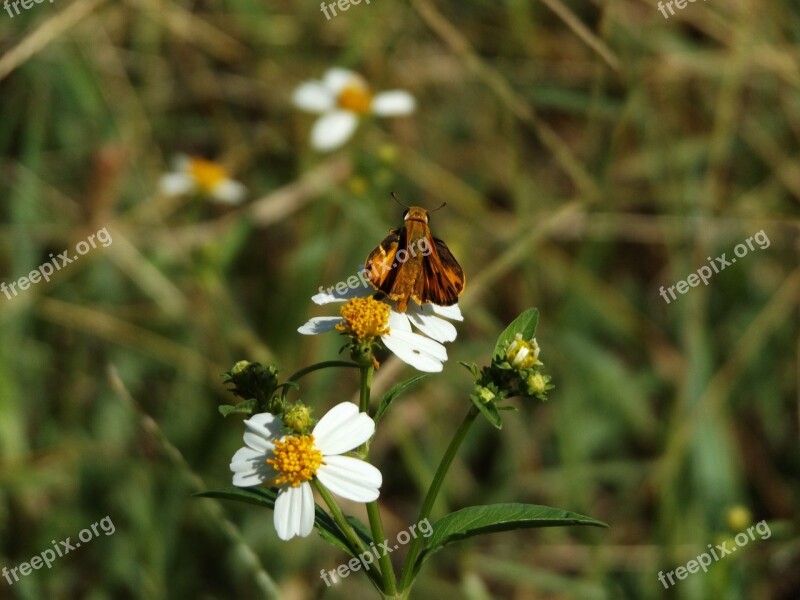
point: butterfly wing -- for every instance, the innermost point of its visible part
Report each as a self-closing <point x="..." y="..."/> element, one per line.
<point x="443" y="277"/>
<point x="379" y="262"/>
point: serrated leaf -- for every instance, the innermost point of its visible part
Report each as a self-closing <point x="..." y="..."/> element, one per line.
<point x="478" y="520"/>
<point x="525" y="324"/>
<point x="396" y="391"/>
<point x="263" y="497"/>
<point x="489" y="410"/>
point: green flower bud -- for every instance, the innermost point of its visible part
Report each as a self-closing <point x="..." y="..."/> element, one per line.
<point x="537" y="384"/>
<point x="485" y="394"/>
<point x="298" y="418"/>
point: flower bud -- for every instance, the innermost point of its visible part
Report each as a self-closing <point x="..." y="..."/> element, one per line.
<point x="485" y="394"/>
<point x="298" y="418"/>
<point x="523" y="354"/>
<point x="536" y="384"/>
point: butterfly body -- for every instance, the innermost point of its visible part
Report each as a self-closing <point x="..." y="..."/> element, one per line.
<point x="411" y="264"/>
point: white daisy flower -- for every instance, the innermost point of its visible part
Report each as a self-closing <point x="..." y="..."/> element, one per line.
<point x="366" y="317"/>
<point x="341" y="97"/>
<point x="292" y="461"/>
<point x="194" y="175"/>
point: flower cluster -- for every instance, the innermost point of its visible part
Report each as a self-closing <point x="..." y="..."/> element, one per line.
<point x="514" y="371"/>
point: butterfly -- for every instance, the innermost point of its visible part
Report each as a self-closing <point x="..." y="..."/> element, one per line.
<point x="411" y="263"/>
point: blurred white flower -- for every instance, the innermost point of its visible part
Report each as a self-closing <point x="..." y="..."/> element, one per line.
<point x="292" y="461"/>
<point x="194" y="175"/>
<point x="423" y="352"/>
<point x="341" y="97"/>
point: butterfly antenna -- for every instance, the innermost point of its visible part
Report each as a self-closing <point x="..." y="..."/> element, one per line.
<point x="396" y="199"/>
<point x="440" y="207"/>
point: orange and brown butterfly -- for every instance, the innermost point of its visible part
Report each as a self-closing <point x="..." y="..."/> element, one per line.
<point x="411" y="263"/>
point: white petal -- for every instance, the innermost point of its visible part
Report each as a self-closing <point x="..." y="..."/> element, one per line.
<point x="229" y="192"/>
<point x="336" y="79"/>
<point x="294" y="511"/>
<point x="398" y="322"/>
<point x="331" y="295"/>
<point x="350" y="478"/>
<point x="432" y="326"/>
<point x="418" y="351"/>
<point x="250" y="468"/>
<point x="342" y="428"/>
<point x="314" y="97"/>
<point x="333" y="129"/>
<point x="393" y="103"/>
<point x="176" y="184"/>
<point x="448" y="312"/>
<point x="261" y="430"/>
<point x="319" y="325"/>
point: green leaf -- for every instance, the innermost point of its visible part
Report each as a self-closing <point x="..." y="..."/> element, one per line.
<point x="393" y="393"/>
<point x="524" y="324"/>
<point x="477" y="520"/>
<point x="265" y="498"/>
<point x="247" y="407"/>
<point x="488" y="410"/>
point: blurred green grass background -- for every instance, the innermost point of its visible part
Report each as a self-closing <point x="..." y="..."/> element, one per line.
<point x="589" y="153"/>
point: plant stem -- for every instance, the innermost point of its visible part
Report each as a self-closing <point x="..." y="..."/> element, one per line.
<point x="315" y="367"/>
<point x="375" y="523"/>
<point x="366" y="386"/>
<point x="387" y="569"/>
<point x="357" y="545"/>
<point x="433" y="492"/>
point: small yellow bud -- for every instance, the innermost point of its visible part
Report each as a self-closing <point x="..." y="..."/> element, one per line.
<point x="239" y="367"/>
<point x="486" y="395"/>
<point x="298" y="418"/>
<point x="537" y="384"/>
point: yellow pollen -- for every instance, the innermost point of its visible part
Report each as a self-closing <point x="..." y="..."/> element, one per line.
<point x="296" y="459"/>
<point x="365" y="318"/>
<point x="207" y="174"/>
<point x="355" y="98"/>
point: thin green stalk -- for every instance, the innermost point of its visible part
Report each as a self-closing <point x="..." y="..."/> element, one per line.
<point x="433" y="492"/>
<point x="375" y="523"/>
<point x="357" y="545"/>
<point x="366" y="386"/>
<point x="387" y="569"/>
<point x="315" y="367"/>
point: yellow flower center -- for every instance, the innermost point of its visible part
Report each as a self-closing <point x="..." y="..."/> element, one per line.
<point x="207" y="174"/>
<point x="355" y="98"/>
<point x="365" y="318"/>
<point x="296" y="459"/>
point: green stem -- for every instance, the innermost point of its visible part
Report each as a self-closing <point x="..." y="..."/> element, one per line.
<point x="387" y="569"/>
<point x="366" y="387"/>
<point x="354" y="541"/>
<point x="433" y="492"/>
<point x="316" y="367"/>
<point x="373" y="511"/>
